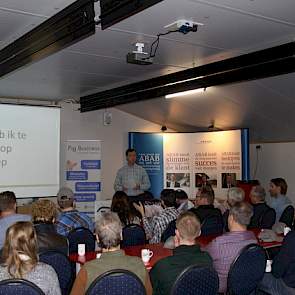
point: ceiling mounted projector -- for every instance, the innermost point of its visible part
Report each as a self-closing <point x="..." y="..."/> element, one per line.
<point x="139" y="57"/>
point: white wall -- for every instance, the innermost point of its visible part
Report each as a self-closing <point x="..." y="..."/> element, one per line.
<point x="274" y="160"/>
<point x="83" y="126"/>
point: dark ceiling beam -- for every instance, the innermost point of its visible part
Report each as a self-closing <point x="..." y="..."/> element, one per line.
<point x="114" y="11"/>
<point x="254" y="58"/>
<point x="67" y="27"/>
<point x="278" y="67"/>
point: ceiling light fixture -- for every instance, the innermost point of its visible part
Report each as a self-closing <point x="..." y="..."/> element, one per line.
<point x="184" y="93"/>
<point x="270" y="62"/>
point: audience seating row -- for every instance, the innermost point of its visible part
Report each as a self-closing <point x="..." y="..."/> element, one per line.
<point x="244" y="275"/>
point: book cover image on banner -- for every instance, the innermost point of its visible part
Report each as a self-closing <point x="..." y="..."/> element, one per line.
<point x="83" y="173"/>
<point x="149" y="150"/>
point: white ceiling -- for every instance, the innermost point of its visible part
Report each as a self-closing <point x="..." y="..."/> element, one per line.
<point x="231" y="27"/>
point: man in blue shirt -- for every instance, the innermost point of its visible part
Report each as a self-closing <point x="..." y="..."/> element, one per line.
<point x="70" y="218"/>
<point x="8" y="214"/>
<point x="132" y="178"/>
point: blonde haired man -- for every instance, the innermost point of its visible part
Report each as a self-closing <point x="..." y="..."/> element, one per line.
<point x="186" y="253"/>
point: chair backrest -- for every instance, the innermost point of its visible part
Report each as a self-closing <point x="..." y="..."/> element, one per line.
<point x="62" y="267"/>
<point x="81" y="235"/>
<point x="264" y="218"/>
<point x="287" y="216"/>
<point x="133" y="234"/>
<point x="169" y="231"/>
<point x="212" y="225"/>
<point x="19" y="287"/>
<point x="196" y="280"/>
<point x="247" y="270"/>
<point x="267" y="219"/>
<point x="117" y="282"/>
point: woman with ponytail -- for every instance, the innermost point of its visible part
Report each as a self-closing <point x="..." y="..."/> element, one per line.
<point x="20" y="259"/>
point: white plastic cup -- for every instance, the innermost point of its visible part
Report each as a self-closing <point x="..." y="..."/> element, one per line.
<point x="81" y="249"/>
<point x="268" y="265"/>
<point x="78" y="267"/>
<point x="146" y="255"/>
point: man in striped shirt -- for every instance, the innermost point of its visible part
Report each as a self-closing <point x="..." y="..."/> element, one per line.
<point x="70" y="218"/>
<point x="157" y="225"/>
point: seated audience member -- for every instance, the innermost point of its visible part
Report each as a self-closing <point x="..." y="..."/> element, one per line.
<point x="156" y="226"/>
<point x="8" y="214"/>
<point x="281" y="281"/>
<point x="186" y="253"/>
<point x="21" y="259"/>
<point x="121" y="206"/>
<point x="205" y="187"/>
<point x="224" y="249"/>
<point x="109" y="234"/>
<point x="205" y="205"/>
<point x="234" y="196"/>
<point x="182" y="202"/>
<point x="263" y="217"/>
<point x="145" y="196"/>
<point x="70" y="218"/>
<point x="44" y="215"/>
<point x="279" y="201"/>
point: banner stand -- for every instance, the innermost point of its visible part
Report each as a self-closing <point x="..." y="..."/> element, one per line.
<point x="83" y="173"/>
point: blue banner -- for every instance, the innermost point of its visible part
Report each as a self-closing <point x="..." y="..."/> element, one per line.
<point x="90" y="164"/>
<point x="77" y="175"/>
<point x="84" y="197"/>
<point x="87" y="186"/>
<point x="245" y="154"/>
<point x="149" y="149"/>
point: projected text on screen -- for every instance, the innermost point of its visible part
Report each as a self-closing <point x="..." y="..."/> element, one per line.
<point x="29" y="150"/>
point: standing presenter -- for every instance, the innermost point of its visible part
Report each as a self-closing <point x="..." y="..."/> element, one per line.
<point x="132" y="178"/>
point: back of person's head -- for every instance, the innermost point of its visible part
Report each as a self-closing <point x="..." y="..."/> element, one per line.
<point x="181" y="195"/>
<point x="20" y="249"/>
<point x="108" y="229"/>
<point x="120" y="205"/>
<point x="7" y="201"/>
<point x="44" y="211"/>
<point x="280" y="182"/>
<point x="235" y="195"/>
<point x="65" y="198"/>
<point x="241" y="213"/>
<point x="257" y="194"/>
<point x="146" y="195"/>
<point x="168" y="197"/>
<point x="207" y="194"/>
<point x="188" y="226"/>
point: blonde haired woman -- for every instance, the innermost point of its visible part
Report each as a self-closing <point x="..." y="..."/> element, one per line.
<point x="21" y="260"/>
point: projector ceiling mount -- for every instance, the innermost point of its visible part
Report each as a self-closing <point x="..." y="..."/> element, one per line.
<point x="70" y="25"/>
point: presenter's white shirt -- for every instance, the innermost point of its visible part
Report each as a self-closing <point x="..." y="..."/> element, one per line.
<point x="129" y="177"/>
